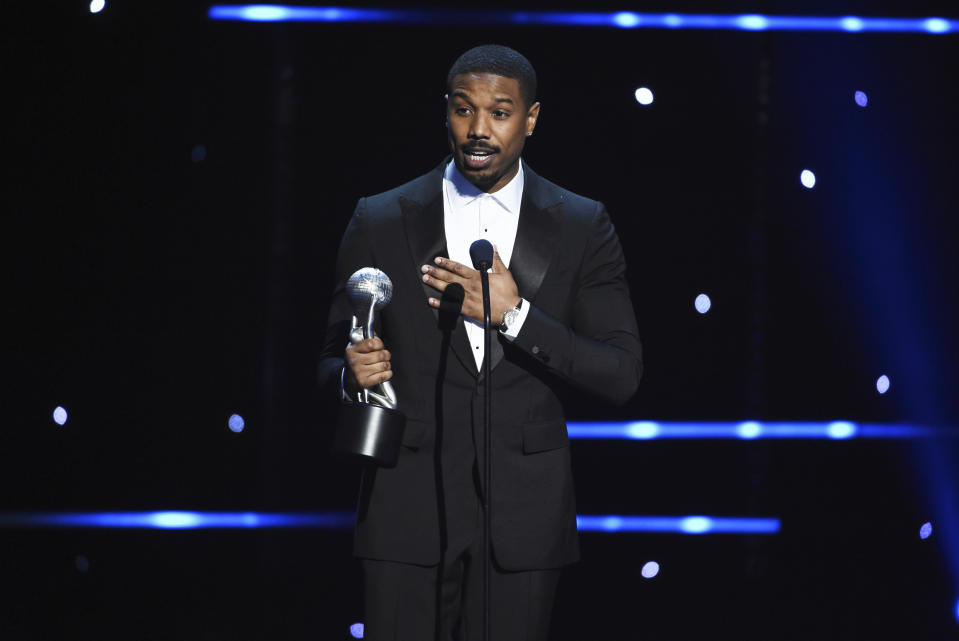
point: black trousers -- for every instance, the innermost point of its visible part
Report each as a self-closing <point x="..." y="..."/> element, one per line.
<point x="407" y="602"/>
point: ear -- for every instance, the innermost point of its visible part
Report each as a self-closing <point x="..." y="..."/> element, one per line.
<point x="531" y="116"/>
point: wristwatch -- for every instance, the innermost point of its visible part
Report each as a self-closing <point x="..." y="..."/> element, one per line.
<point x="510" y="317"/>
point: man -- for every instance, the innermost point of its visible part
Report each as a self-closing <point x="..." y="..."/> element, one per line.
<point x="566" y="323"/>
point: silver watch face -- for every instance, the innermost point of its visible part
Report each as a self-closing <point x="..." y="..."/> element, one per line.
<point x="509" y="318"/>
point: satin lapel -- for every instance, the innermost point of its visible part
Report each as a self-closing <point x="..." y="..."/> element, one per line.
<point x="537" y="239"/>
<point x="427" y="240"/>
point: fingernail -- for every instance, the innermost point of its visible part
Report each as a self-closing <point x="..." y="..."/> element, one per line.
<point x="426" y="278"/>
<point x="425" y="268"/>
<point x="439" y="261"/>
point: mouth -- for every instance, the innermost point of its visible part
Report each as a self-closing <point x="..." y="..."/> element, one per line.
<point x="478" y="158"/>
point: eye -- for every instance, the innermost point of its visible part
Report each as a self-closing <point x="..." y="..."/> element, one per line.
<point x="499" y="113"/>
<point x="461" y="111"/>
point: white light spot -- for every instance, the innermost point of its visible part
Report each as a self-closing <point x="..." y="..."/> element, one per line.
<point x="59" y="416"/>
<point x="936" y="25"/>
<point x="356" y="630"/>
<point x="174" y="520"/>
<point x="650" y="570"/>
<point x="752" y="22"/>
<point x="626" y="19"/>
<point x="749" y="429"/>
<point x="852" y="23"/>
<point x="807" y="178"/>
<point x="236" y="423"/>
<point x="861" y="98"/>
<point x="840" y="429"/>
<point x="925" y="531"/>
<point x="96" y="6"/>
<point x="643" y="430"/>
<point x="696" y="524"/>
<point x="611" y="524"/>
<point x="265" y="12"/>
<point x="882" y="384"/>
<point x="673" y="20"/>
<point x="644" y="96"/>
<point x="703" y="303"/>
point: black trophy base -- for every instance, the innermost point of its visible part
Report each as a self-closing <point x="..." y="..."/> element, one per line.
<point x="369" y="432"/>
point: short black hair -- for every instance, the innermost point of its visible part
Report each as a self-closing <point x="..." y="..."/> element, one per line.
<point x="501" y="61"/>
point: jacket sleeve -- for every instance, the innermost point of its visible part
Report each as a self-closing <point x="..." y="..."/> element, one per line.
<point x="599" y="349"/>
<point x="354" y="253"/>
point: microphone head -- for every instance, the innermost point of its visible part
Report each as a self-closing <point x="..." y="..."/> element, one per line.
<point x="481" y="253"/>
<point x="368" y="287"/>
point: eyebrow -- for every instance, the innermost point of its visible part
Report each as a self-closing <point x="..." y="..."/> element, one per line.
<point x="459" y="93"/>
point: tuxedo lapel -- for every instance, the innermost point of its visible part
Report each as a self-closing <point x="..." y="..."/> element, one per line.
<point x="537" y="239"/>
<point x="423" y="219"/>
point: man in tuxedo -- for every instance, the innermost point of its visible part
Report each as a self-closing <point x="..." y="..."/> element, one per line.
<point x="565" y="326"/>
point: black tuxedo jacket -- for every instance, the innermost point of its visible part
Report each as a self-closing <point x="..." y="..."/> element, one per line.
<point x="580" y="336"/>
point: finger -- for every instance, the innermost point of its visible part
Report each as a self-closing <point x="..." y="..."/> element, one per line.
<point x="366" y="345"/>
<point x="372" y="358"/>
<point x="436" y="283"/>
<point x="457" y="268"/>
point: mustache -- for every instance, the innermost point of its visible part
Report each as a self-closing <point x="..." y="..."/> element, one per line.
<point x="478" y="147"/>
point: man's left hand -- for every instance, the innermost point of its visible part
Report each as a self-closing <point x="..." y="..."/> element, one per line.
<point x="503" y="292"/>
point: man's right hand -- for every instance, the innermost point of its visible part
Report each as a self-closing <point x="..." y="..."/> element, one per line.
<point x="368" y="362"/>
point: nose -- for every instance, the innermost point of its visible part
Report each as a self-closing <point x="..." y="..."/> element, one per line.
<point x="479" y="128"/>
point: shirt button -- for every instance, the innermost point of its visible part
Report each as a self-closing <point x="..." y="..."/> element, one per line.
<point x="535" y="349"/>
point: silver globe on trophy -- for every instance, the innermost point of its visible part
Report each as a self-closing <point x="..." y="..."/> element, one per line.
<point x="369" y="426"/>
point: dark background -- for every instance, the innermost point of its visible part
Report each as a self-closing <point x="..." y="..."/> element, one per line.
<point x="174" y="193"/>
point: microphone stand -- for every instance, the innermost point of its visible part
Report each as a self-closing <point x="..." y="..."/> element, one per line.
<point x="481" y="253"/>
<point x="487" y="436"/>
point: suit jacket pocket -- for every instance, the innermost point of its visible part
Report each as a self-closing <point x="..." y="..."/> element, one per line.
<point x="414" y="433"/>
<point x="540" y="436"/>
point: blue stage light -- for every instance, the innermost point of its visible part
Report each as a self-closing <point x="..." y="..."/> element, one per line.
<point x="882" y="384"/>
<point x="861" y="98"/>
<point x="344" y="520"/>
<point x="59" y="416"/>
<point x="925" y="531"/>
<point x="841" y="430"/>
<point x="618" y="19"/>
<point x="957" y="610"/>
<point x="236" y="423"/>
<point x="650" y="570"/>
<point x="96" y="6"/>
<point x="644" y="96"/>
<point x="677" y="524"/>
<point x="807" y="178"/>
<point x="703" y="303"/>
<point x="356" y="630"/>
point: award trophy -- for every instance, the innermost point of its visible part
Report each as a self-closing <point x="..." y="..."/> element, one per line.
<point x="369" y="426"/>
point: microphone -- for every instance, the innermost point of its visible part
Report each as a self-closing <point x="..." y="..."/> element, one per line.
<point x="368" y="290"/>
<point x="481" y="253"/>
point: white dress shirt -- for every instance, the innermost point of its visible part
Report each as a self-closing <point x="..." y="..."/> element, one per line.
<point x="470" y="214"/>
